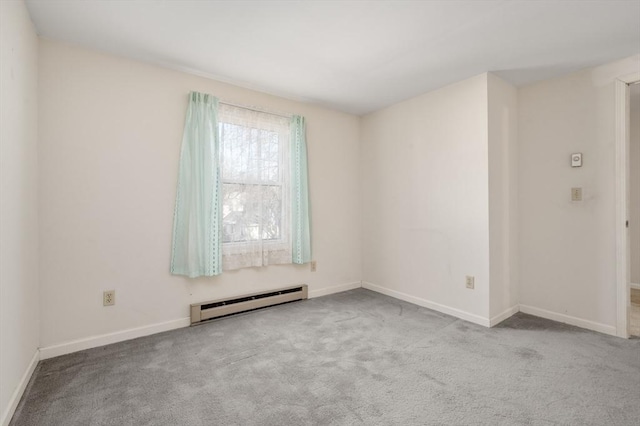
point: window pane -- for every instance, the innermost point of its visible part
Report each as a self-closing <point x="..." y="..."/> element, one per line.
<point x="240" y="212"/>
<point x="239" y="152"/>
<point x="249" y="154"/>
<point x="271" y="212"/>
<point x="250" y="212"/>
<point x="270" y="157"/>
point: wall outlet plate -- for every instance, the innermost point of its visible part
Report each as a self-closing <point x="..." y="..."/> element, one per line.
<point x="313" y="265"/>
<point x="471" y="282"/>
<point x="576" y="194"/>
<point x="109" y="298"/>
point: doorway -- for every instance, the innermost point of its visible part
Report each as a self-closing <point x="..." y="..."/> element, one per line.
<point x="625" y="258"/>
<point x="634" y="209"/>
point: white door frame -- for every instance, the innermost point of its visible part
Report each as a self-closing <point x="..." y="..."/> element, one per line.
<point x="622" y="197"/>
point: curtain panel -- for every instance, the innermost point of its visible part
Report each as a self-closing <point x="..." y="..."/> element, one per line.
<point x="196" y="249"/>
<point x="301" y="228"/>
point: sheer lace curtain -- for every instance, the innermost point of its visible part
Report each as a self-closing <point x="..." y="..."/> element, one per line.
<point x="255" y="175"/>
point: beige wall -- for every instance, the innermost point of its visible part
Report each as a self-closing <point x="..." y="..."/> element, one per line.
<point x="110" y="139"/>
<point x="634" y="162"/>
<point x="567" y="249"/>
<point x="425" y="199"/>
<point x="19" y="319"/>
<point x="503" y="196"/>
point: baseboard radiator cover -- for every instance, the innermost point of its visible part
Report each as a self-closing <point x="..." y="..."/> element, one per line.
<point x="205" y="311"/>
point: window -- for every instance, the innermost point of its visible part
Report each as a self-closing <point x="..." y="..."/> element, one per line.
<point x="242" y="198"/>
<point x="254" y="170"/>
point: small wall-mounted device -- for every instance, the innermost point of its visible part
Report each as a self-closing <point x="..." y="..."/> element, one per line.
<point x="576" y="194"/>
<point x="576" y="159"/>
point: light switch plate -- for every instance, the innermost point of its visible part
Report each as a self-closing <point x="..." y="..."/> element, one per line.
<point x="576" y="159"/>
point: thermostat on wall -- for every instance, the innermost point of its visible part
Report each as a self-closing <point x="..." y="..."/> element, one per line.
<point x="576" y="159"/>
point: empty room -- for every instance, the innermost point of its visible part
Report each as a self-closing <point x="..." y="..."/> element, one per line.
<point x="319" y="212"/>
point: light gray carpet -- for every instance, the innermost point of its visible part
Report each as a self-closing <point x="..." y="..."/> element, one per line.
<point x="350" y="358"/>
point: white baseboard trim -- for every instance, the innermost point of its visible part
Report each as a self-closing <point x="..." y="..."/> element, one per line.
<point x="19" y="391"/>
<point x="334" y="289"/>
<point x="504" y="315"/>
<point x="120" y="336"/>
<point x="109" y="338"/>
<point x="476" y="319"/>
<point x="567" y="319"/>
<point x="635" y="286"/>
<point x="133" y="333"/>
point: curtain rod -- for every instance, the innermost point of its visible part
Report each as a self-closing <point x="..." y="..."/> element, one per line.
<point x="256" y="109"/>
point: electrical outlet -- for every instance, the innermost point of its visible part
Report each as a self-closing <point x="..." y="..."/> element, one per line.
<point x="109" y="298"/>
<point x="471" y="282"/>
<point x="576" y="194"/>
<point x="313" y="266"/>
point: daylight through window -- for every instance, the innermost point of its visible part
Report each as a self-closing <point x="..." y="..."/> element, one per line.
<point x="254" y="168"/>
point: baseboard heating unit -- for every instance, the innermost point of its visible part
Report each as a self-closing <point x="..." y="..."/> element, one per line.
<point x="219" y="308"/>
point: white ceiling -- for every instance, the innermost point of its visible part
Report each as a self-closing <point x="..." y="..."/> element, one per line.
<point x="354" y="56"/>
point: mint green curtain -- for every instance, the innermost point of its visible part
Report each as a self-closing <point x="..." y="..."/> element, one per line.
<point x="197" y="221"/>
<point x="301" y="233"/>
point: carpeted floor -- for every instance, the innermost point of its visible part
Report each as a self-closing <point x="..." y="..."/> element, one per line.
<point x="351" y="358"/>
